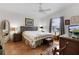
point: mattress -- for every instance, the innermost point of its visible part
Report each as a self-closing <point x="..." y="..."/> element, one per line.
<point x="36" y="37"/>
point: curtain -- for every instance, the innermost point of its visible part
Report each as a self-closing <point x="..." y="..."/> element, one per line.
<point x="57" y="24"/>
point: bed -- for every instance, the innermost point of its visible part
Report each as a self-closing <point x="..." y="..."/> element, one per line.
<point x="34" y="37"/>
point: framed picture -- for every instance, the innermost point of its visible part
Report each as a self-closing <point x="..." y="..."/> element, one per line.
<point x="67" y="22"/>
<point x="29" y="22"/>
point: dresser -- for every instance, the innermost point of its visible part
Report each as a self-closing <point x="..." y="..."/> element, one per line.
<point x="69" y="45"/>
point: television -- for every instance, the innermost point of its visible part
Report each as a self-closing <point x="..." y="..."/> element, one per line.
<point x="73" y="30"/>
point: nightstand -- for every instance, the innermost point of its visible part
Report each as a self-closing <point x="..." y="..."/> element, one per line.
<point x="17" y="37"/>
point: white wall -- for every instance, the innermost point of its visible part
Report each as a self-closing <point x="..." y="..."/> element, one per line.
<point x="18" y="20"/>
<point x="72" y="11"/>
<point x="15" y="19"/>
<point x="67" y="13"/>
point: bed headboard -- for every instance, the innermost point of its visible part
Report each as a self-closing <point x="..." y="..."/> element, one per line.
<point x="24" y="28"/>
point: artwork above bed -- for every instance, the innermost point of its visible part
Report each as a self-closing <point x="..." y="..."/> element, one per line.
<point x="29" y="25"/>
<point x="29" y="22"/>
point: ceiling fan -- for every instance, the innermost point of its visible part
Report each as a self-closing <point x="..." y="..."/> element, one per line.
<point x="41" y="8"/>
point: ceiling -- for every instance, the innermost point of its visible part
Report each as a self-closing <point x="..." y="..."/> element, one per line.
<point x="31" y="9"/>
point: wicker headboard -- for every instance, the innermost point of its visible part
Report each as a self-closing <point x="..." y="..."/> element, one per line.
<point x="24" y="28"/>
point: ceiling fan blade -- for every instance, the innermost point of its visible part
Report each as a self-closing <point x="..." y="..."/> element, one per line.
<point x="47" y="10"/>
<point x="40" y="6"/>
<point x="43" y="10"/>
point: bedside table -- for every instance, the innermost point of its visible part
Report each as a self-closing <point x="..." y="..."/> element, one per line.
<point x="17" y="37"/>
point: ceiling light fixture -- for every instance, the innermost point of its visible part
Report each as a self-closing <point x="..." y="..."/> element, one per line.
<point x="41" y="9"/>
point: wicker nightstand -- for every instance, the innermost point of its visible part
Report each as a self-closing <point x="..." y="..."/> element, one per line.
<point x="17" y="37"/>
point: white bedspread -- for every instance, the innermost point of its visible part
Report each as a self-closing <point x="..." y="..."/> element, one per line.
<point x="34" y="36"/>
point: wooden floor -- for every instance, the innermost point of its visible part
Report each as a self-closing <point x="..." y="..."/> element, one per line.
<point x="20" y="48"/>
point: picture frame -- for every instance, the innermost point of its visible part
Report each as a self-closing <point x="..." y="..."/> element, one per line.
<point x="67" y="22"/>
<point x="29" y="22"/>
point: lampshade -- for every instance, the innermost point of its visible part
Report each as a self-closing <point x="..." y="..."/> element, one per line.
<point x="13" y="29"/>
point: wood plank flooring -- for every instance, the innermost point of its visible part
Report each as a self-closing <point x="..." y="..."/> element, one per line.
<point x="20" y="48"/>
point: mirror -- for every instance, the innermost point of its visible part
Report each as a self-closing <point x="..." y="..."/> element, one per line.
<point x="5" y="25"/>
